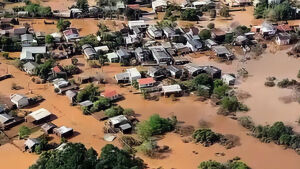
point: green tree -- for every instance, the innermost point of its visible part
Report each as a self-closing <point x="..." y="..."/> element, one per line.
<point x="44" y="69"/>
<point x="49" y="39"/>
<point x="191" y="14"/>
<point x="230" y="104"/>
<point x="206" y="136"/>
<point x="63" y="24"/>
<point x="211" y="165"/>
<point x="101" y="104"/>
<point x="129" y="112"/>
<point x="88" y="93"/>
<point x="220" y="91"/>
<point x="114" y="111"/>
<point x="89" y="39"/>
<point x="24" y="132"/>
<point x="205" y="34"/>
<point x="224" y="11"/>
<point x="211" y="26"/>
<point x="202" y="79"/>
<point x="83" y="5"/>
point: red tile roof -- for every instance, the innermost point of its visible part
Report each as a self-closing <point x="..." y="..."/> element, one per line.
<point x="70" y="31"/>
<point x="56" y="69"/>
<point x="134" y="6"/>
<point x="109" y="93"/>
<point x="145" y="81"/>
<point x="284" y="28"/>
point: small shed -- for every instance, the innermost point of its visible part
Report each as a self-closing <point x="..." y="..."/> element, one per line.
<point x="48" y="128"/>
<point x="6" y="121"/>
<point x="117" y="120"/>
<point x="30" y="144"/>
<point x="19" y="100"/>
<point x="63" y="132"/>
<point x="38" y="116"/>
<point x="125" y="128"/>
<point x="113" y="57"/>
<point x="171" y="89"/>
<point x="71" y="95"/>
<point x="86" y="103"/>
<point x="228" y="79"/>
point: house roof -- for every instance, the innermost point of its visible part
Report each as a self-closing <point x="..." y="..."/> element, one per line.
<point x="20" y="31"/>
<point x="48" y="126"/>
<point x="218" y="32"/>
<point x="31" y="142"/>
<point x="146" y="81"/>
<point x="26" y="55"/>
<point x="155" y="30"/>
<point x="211" y="69"/>
<point x="57" y="69"/>
<point x="134" y="6"/>
<point x="284" y="28"/>
<point x="284" y="36"/>
<point x="220" y="50"/>
<point x="102" y="48"/>
<point x="158" y="3"/>
<point x="27" y="37"/>
<point x="125" y="126"/>
<point x="133" y="72"/>
<point x="195" y="43"/>
<point x="118" y="119"/>
<point x="109" y="93"/>
<point x="71" y="31"/>
<point x="210" y="42"/>
<point x="172" y="68"/>
<point x="35" y="49"/>
<point x="40" y="114"/>
<point x="5" y="117"/>
<point x="63" y="129"/>
<point x="136" y="23"/>
<point x="159" y="52"/>
<point x="70" y="94"/>
<point x="86" y="103"/>
<point x="30" y="65"/>
<point x="192" y="67"/>
<point x="171" y="88"/>
<point x="122" y="52"/>
<point x="17" y="97"/>
<point x="122" y="76"/>
<point x="112" y="55"/>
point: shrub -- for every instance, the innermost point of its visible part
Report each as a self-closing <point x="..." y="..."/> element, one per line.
<point x="211" y="26"/>
<point x="246" y="122"/>
<point x="286" y="83"/>
<point x="205" y="34"/>
<point x="24" y="132"/>
<point x="128" y="112"/>
<point x="88" y="93"/>
<point x="114" y="111"/>
<point x="206" y="137"/>
<point x="270" y="83"/>
<point x="148" y="148"/>
<point x="85" y="110"/>
<point x="230" y="104"/>
<point x="191" y="14"/>
<point x="220" y="91"/>
<point x="211" y="165"/>
<point x="224" y="11"/>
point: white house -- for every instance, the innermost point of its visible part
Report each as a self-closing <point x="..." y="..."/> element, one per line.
<point x="30" y="67"/>
<point x="283" y="39"/>
<point x="228" y="79"/>
<point x="134" y="74"/>
<point x="19" y="100"/>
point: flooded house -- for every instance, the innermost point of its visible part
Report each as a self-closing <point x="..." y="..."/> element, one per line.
<point x="60" y="83"/>
<point x="86" y="103"/>
<point x="57" y="36"/>
<point x="30" y="144"/>
<point x="159" y="5"/>
<point x="241" y="40"/>
<point x="89" y="52"/>
<point x="123" y="54"/>
<point x="134" y="74"/>
<point x="19" y="100"/>
<point x="146" y="82"/>
<point x="181" y="49"/>
<point x="6" y="121"/>
<point x="158" y="72"/>
<point x="71" y="34"/>
<point x="17" y="32"/>
<point x="284" y="28"/>
<point x="111" y="95"/>
<point x="171" y="89"/>
<point x="142" y="54"/>
<point x="160" y="55"/>
<point x="180" y="60"/>
<point x="30" y="67"/>
<point x="113" y="57"/>
<point x="28" y="40"/>
<point x="222" y="52"/>
<point x="122" y="77"/>
<point x="213" y="71"/>
<point x="194" y="44"/>
<point x="38" y="116"/>
<point x="29" y="53"/>
<point x="154" y="32"/>
<point x="193" y="69"/>
<point x="228" y="79"/>
<point x="218" y="34"/>
<point x="102" y="48"/>
<point x="267" y="29"/>
<point x="120" y="122"/>
<point x="283" y="38"/>
<point x="175" y="71"/>
<point x="71" y="95"/>
<point x="169" y="32"/>
<point x="141" y="24"/>
<point x="63" y="132"/>
<point x="210" y="43"/>
<point x="192" y="32"/>
<point x="48" y="128"/>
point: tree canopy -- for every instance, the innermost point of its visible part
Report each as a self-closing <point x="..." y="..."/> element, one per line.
<point x="75" y="155"/>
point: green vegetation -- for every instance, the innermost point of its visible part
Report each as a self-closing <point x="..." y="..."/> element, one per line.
<point x="228" y="38"/>
<point x="71" y="70"/>
<point x="89" y="39"/>
<point x="205" y="34"/>
<point x="155" y="126"/>
<point x="75" y="155"/>
<point x="211" y="26"/>
<point x="231" y="164"/>
<point x="44" y="69"/>
<point x="63" y="24"/>
<point x="83" y="5"/>
<point x="231" y="104"/>
<point x="49" y="39"/>
<point x="284" y="83"/>
<point x="10" y="44"/>
<point x="206" y="137"/>
<point x="275" y="12"/>
<point x="128" y="112"/>
<point x="101" y="104"/>
<point x="224" y="11"/>
<point x="88" y="93"/>
<point x="24" y="132"/>
<point x="37" y="10"/>
<point x="191" y="14"/>
<point x="114" y="111"/>
<point x="111" y="39"/>
<point x="241" y="30"/>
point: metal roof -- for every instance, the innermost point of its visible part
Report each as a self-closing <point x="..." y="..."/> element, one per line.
<point x="5" y="117"/>
<point x="40" y="114"/>
<point x="171" y="88"/>
<point x="118" y="119"/>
